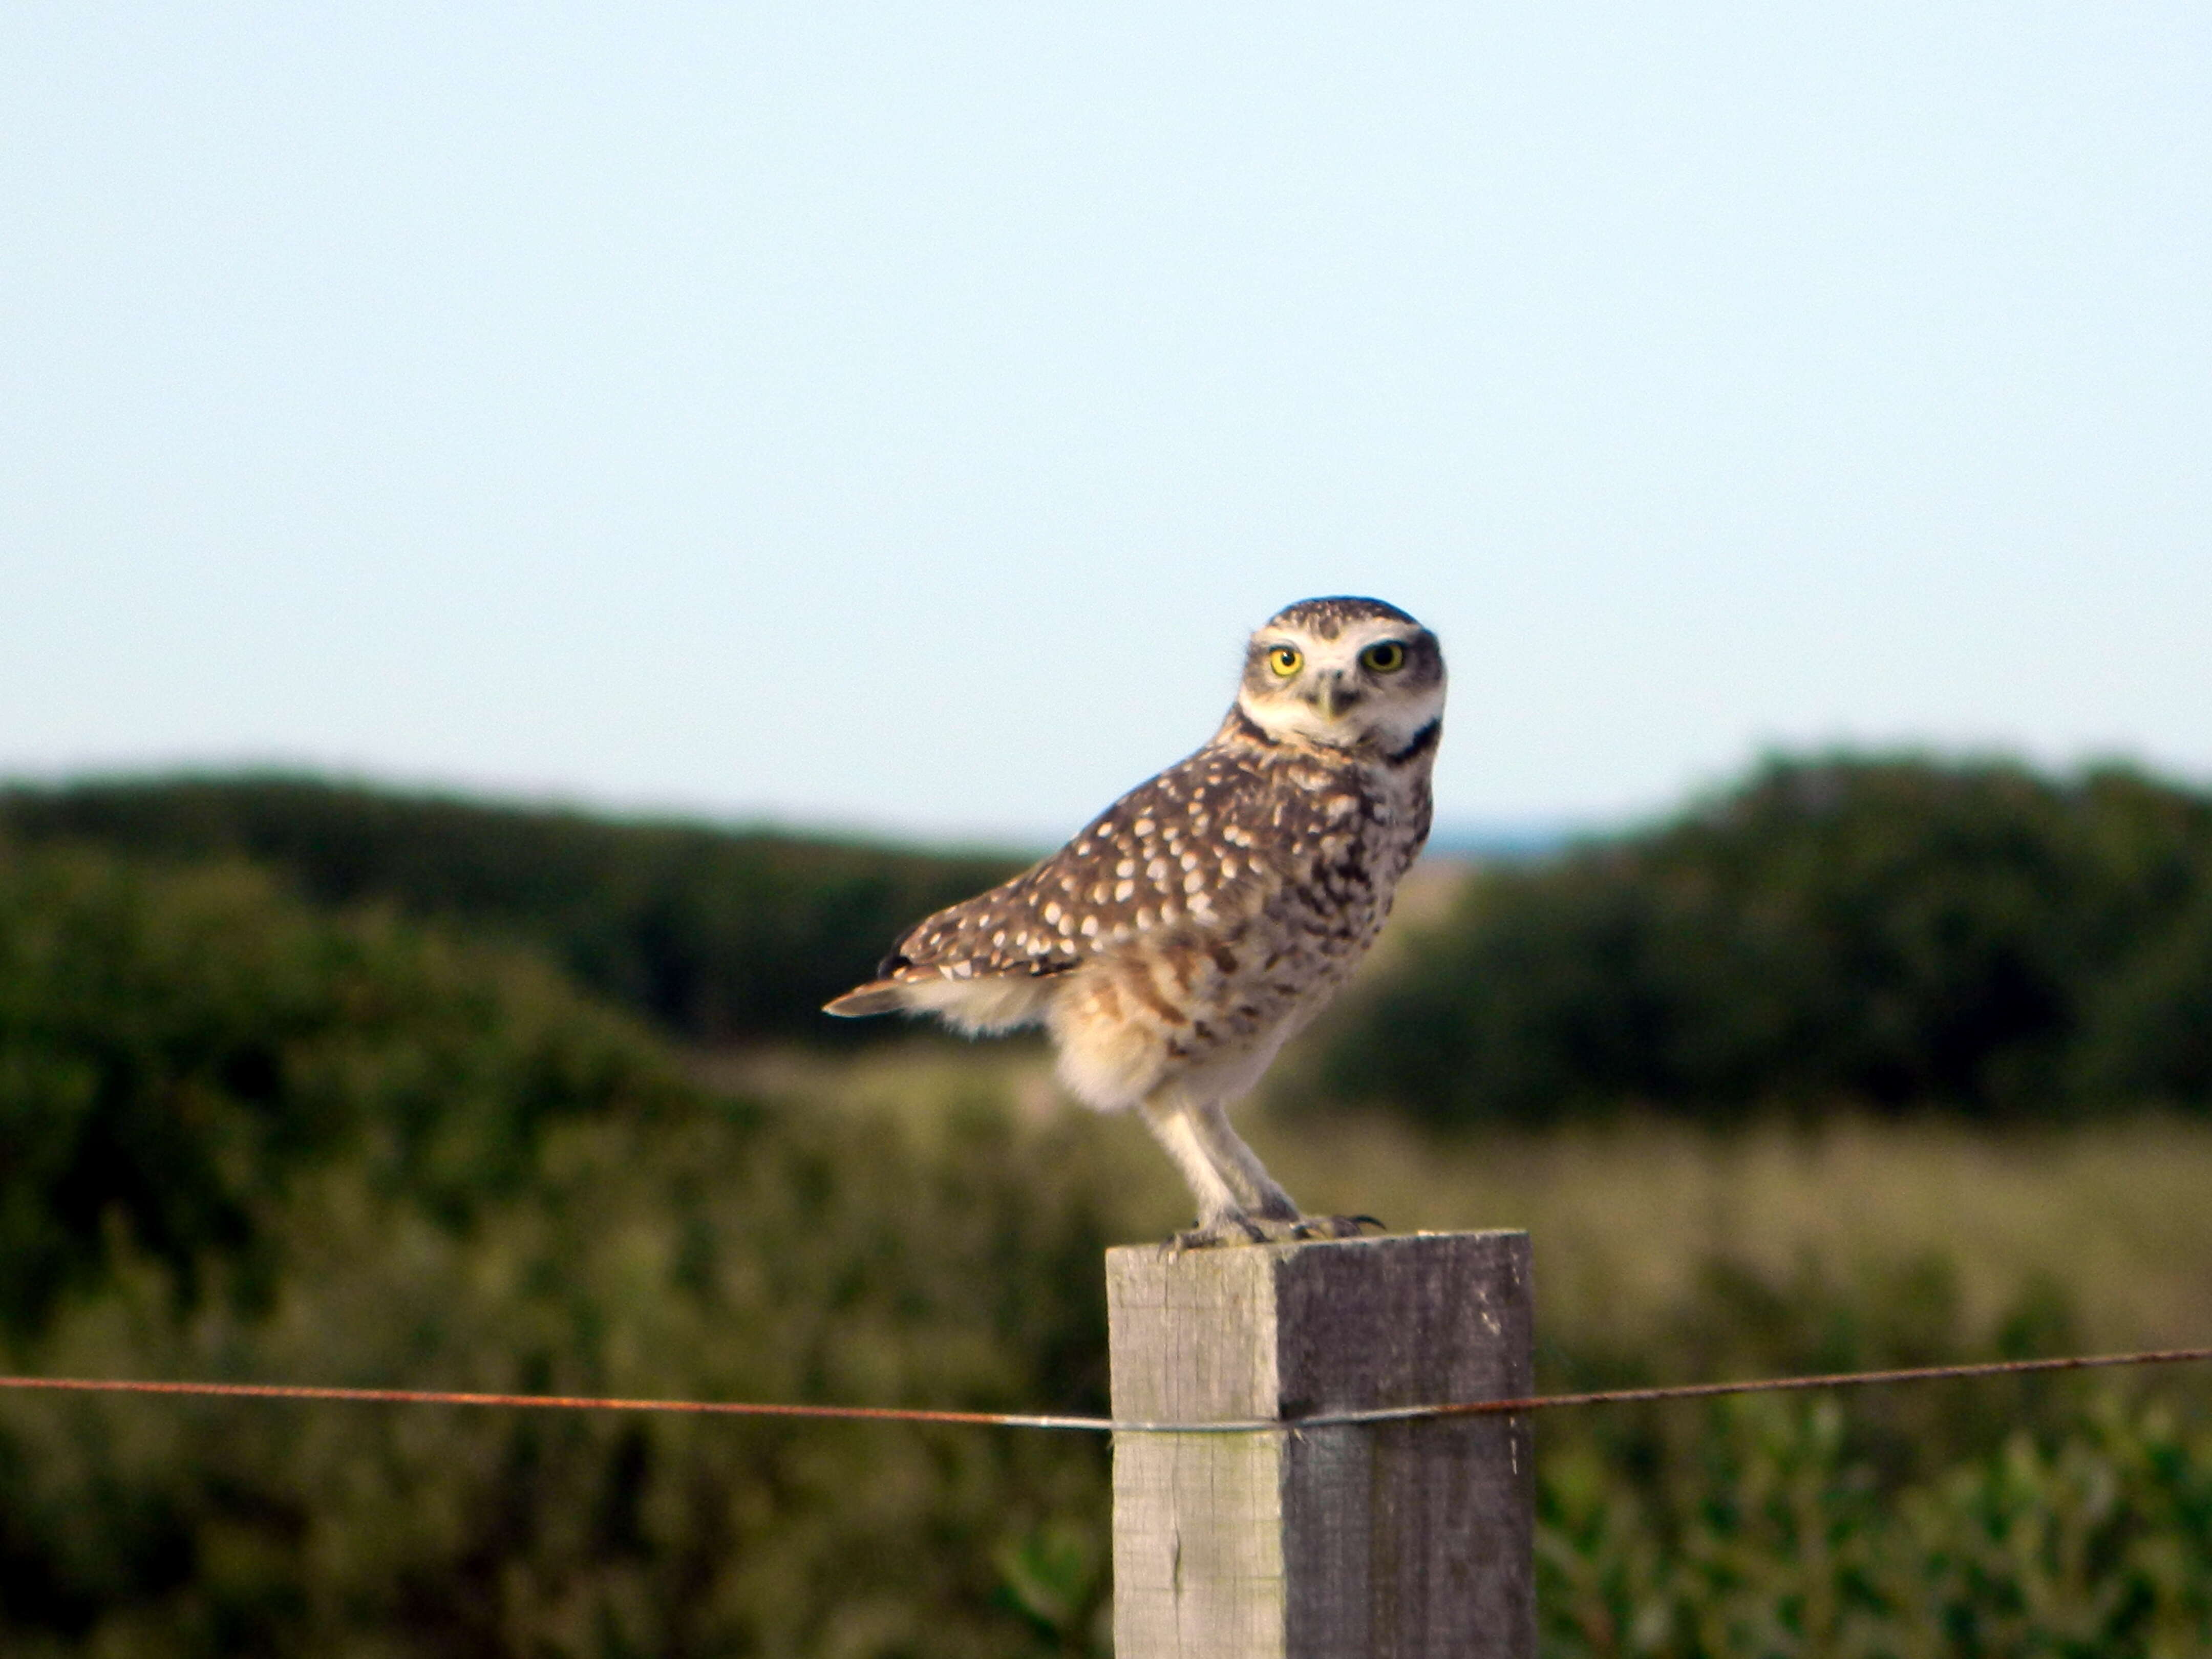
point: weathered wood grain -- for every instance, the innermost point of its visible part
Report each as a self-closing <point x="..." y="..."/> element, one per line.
<point x="1396" y="1540"/>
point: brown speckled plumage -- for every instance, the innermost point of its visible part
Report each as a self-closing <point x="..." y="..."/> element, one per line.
<point x="1286" y="857"/>
<point x="1176" y="942"/>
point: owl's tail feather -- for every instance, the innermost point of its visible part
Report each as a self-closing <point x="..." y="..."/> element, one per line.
<point x="879" y="997"/>
<point x="981" y="1005"/>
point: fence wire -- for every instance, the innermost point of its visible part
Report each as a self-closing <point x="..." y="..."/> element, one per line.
<point x="1323" y="1419"/>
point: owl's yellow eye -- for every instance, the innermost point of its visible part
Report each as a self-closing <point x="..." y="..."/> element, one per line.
<point x="1386" y="657"/>
<point x="1285" y="661"/>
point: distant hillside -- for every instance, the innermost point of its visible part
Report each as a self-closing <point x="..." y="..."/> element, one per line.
<point x="1887" y="933"/>
<point x="713" y="934"/>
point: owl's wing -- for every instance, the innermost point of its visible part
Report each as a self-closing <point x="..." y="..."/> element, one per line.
<point x="1194" y="847"/>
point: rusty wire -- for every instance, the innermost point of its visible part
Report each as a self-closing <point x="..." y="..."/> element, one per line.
<point x="1323" y="1419"/>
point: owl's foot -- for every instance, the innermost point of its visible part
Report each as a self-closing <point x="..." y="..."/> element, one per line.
<point x="1335" y="1226"/>
<point x="1242" y="1229"/>
<point x="1222" y="1230"/>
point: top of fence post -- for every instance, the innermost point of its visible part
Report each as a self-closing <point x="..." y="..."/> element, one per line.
<point x="1398" y="1539"/>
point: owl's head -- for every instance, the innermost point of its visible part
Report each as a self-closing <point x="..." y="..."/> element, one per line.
<point x="1344" y="674"/>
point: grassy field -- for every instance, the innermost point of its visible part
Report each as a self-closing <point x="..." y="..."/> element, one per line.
<point x="1628" y="1218"/>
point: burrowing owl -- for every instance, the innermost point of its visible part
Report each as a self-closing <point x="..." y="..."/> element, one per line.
<point x="1173" y="946"/>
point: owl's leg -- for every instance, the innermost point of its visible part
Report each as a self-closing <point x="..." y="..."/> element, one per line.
<point x="1221" y="1215"/>
<point x="1240" y="1165"/>
<point x="1268" y="1201"/>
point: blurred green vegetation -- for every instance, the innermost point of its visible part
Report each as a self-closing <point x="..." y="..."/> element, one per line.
<point x="341" y="1116"/>
<point x="714" y="935"/>
<point x="1771" y="1536"/>
<point x="2025" y="1517"/>
<point x="247" y="1139"/>
<point x="1893" y="934"/>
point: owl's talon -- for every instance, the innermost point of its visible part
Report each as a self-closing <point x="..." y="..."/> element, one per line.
<point x="1230" y="1229"/>
<point x="1336" y="1226"/>
<point x="1222" y="1229"/>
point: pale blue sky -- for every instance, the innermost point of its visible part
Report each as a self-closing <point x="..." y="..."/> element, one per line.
<point x="894" y="416"/>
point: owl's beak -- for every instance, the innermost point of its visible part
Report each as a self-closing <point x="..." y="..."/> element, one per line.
<point x="1332" y="696"/>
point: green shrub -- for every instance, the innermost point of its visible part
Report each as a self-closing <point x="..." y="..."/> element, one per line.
<point x="2095" y="1541"/>
<point x="176" y="1048"/>
<point x="1897" y="934"/>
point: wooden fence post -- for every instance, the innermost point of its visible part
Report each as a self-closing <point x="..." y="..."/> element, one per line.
<point x="1355" y="1542"/>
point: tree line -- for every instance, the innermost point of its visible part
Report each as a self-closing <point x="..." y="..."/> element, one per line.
<point x="714" y="935"/>
<point x="1881" y="932"/>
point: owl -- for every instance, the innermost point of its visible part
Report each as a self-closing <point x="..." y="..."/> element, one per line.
<point x="1173" y="946"/>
